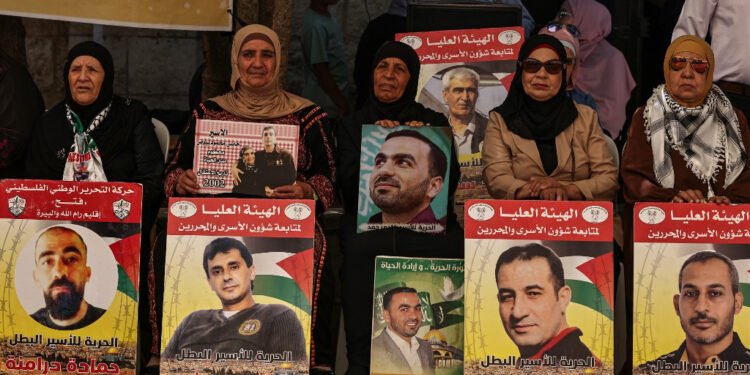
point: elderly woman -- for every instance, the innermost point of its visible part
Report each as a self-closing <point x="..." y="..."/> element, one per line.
<point x="603" y="71"/>
<point x="394" y="88"/>
<point x="257" y="96"/>
<point x="568" y="36"/>
<point x="115" y="132"/>
<point x="688" y="144"/>
<point x="539" y="144"/>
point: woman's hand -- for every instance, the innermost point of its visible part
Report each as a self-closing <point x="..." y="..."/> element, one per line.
<point x="689" y="196"/>
<point x="387" y="123"/>
<point x="537" y="184"/>
<point x="187" y="184"/>
<point x="553" y="194"/>
<point x="719" y="199"/>
<point x="416" y="124"/>
<point x="236" y="172"/>
<point x="299" y="190"/>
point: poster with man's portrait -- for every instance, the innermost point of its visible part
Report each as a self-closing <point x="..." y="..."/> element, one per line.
<point x="464" y="75"/>
<point x="542" y="287"/>
<point x="404" y="178"/>
<point x="238" y="286"/>
<point x="244" y="158"/>
<point x="691" y="305"/>
<point x="418" y="301"/>
<point x="71" y="262"/>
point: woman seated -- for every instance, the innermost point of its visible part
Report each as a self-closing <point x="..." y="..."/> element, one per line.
<point x="688" y="144"/>
<point x="392" y="102"/>
<point x="541" y="145"/>
<point x="115" y="132"/>
<point x="257" y="96"/>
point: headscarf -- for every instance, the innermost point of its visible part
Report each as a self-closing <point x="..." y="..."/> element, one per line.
<point x="262" y="103"/>
<point x="706" y="136"/>
<point x="690" y="43"/>
<point x="405" y="108"/>
<point x="532" y="119"/>
<point x="101" y="54"/>
<point x="84" y="162"/>
<point x="569" y="41"/>
<point x="600" y="59"/>
<point x="397" y="8"/>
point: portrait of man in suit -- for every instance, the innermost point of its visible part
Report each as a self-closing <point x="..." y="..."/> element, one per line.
<point x="397" y="349"/>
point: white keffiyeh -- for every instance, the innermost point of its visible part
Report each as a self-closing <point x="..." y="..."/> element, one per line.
<point x="706" y="136"/>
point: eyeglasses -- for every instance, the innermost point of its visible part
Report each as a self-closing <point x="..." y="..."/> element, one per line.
<point x="554" y="27"/>
<point x="679" y="63"/>
<point x="533" y="65"/>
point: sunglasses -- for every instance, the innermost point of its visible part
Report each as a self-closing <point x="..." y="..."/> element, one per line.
<point x="554" y="27"/>
<point x="533" y="65"/>
<point x="679" y="63"/>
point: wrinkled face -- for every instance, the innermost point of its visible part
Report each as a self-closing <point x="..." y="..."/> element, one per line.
<point x="256" y="63"/>
<point x="542" y="85"/>
<point x="230" y="277"/>
<point x="706" y="305"/>
<point x="269" y="137"/>
<point x="248" y="156"/>
<point x="531" y="311"/>
<point x="404" y="314"/>
<point x="85" y="79"/>
<point x="390" y="79"/>
<point x="461" y="97"/>
<point x="400" y="179"/>
<point x="61" y="271"/>
<point x="686" y="85"/>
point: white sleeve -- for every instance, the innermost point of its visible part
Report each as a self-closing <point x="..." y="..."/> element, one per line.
<point x="695" y="18"/>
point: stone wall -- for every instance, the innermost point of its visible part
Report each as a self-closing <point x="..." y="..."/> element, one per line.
<point x="156" y="66"/>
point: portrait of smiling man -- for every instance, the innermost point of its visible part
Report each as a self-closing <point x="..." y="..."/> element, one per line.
<point x="61" y="271"/>
<point x="407" y="175"/>
<point x="241" y="323"/>
<point x="708" y="300"/>
<point x="533" y="299"/>
<point x="397" y="349"/>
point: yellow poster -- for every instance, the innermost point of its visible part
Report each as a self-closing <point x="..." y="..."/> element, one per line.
<point x="206" y="15"/>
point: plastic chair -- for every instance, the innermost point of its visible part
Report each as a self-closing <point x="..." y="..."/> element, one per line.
<point x="162" y="133"/>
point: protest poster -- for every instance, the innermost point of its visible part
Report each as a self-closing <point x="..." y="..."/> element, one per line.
<point x="540" y="287"/>
<point x="418" y="299"/>
<point x="70" y="265"/>
<point x="404" y="177"/>
<point x="238" y="286"/>
<point x="244" y="158"/>
<point x="691" y="289"/>
<point x="464" y="75"/>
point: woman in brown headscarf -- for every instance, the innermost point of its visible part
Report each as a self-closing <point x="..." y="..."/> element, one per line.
<point x="257" y="96"/>
<point x="688" y="144"/>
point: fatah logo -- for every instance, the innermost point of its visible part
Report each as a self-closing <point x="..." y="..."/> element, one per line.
<point x="249" y="327"/>
<point x="121" y="208"/>
<point x="16" y="205"/>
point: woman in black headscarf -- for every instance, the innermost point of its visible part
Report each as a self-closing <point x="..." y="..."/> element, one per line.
<point x="541" y="145"/>
<point x="394" y="88"/>
<point x="115" y="132"/>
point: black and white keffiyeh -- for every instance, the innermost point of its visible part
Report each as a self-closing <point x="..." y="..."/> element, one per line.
<point x="706" y="136"/>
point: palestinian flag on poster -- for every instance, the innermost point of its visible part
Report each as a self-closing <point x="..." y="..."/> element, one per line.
<point x="589" y="272"/>
<point x="286" y="275"/>
<point x="740" y="255"/>
<point x="125" y="242"/>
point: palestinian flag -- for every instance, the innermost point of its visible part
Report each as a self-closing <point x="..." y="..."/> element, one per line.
<point x="284" y="269"/>
<point x="589" y="272"/>
<point x="740" y="255"/>
<point x="125" y="242"/>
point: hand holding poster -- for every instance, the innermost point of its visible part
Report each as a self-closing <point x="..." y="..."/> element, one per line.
<point x="691" y="296"/>
<point x="244" y="158"/>
<point x="238" y="286"/>
<point x="544" y="272"/>
<point x="403" y="178"/>
<point x="464" y="75"/>
<point x="419" y="301"/>
<point x="70" y="288"/>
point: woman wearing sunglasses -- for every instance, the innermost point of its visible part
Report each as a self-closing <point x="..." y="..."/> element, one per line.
<point x="688" y="144"/>
<point x="541" y="145"/>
